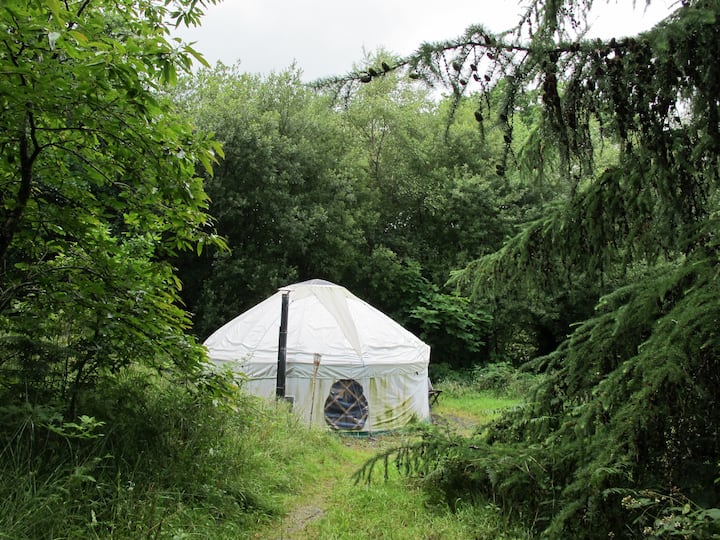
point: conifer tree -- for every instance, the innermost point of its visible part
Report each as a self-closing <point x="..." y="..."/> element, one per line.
<point x="621" y="437"/>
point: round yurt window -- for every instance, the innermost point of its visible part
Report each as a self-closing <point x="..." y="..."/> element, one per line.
<point x="346" y="407"/>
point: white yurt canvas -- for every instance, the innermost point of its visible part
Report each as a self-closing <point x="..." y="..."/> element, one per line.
<point x="348" y="365"/>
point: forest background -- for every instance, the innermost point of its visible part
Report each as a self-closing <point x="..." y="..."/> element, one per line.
<point x="532" y="198"/>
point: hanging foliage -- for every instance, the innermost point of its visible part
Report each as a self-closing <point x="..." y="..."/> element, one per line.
<point x="621" y="438"/>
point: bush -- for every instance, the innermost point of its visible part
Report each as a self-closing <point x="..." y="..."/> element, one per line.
<point x="158" y="459"/>
<point x="443" y="372"/>
<point x="502" y="379"/>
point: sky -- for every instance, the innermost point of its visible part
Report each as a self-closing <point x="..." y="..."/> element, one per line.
<point x="326" y="37"/>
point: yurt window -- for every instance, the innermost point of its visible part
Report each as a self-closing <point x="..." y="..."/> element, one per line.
<point x="346" y="406"/>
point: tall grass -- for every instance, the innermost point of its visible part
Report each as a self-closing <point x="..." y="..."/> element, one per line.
<point x="157" y="460"/>
<point x="499" y="379"/>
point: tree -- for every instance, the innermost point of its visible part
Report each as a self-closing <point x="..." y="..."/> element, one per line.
<point x="97" y="190"/>
<point x="282" y="196"/>
<point x="310" y="190"/>
<point x="436" y="200"/>
<point x="620" y="439"/>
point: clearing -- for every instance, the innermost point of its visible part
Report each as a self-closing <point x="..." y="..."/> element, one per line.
<point x="328" y="504"/>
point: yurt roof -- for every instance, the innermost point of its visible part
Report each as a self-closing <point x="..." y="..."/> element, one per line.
<point x="323" y="318"/>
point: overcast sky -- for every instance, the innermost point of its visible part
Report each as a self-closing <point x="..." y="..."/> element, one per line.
<point x="325" y="37"/>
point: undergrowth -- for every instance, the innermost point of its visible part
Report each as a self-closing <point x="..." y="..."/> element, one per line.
<point x="499" y="379"/>
<point x="469" y="401"/>
<point x="156" y="460"/>
<point x="160" y="459"/>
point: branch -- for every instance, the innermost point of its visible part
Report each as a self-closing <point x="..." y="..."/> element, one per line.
<point x="82" y="8"/>
<point x="27" y="160"/>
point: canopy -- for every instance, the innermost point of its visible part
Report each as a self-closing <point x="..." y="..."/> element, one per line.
<point x="348" y="365"/>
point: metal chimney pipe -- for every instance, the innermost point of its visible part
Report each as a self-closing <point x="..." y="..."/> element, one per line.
<point x="282" y="347"/>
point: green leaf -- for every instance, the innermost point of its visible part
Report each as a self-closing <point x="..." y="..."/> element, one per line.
<point x="55" y="10"/>
<point x="79" y="36"/>
<point x="196" y="55"/>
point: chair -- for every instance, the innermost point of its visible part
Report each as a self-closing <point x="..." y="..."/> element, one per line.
<point x="433" y="394"/>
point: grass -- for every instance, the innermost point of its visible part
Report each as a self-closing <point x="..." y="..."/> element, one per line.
<point x="167" y="463"/>
<point x="467" y="411"/>
<point x="335" y="507"/>
<point x="160" y="462"/>
<point x="398" y="509"/>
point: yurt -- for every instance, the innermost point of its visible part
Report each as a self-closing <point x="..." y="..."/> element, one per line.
<point x="347" y="365"/>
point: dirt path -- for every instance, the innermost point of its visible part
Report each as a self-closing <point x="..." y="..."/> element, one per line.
<point x="294" y="525"/>
<point x="313" y="499"/>
<point x="329" y="505"/>
<point x="311" y="506"/>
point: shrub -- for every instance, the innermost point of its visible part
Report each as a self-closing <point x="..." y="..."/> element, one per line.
<point x="158" y="456"/>
<point x="502" y="379"/>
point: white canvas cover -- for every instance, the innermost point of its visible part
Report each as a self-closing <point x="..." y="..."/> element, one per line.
<point x="349" y="366"/>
